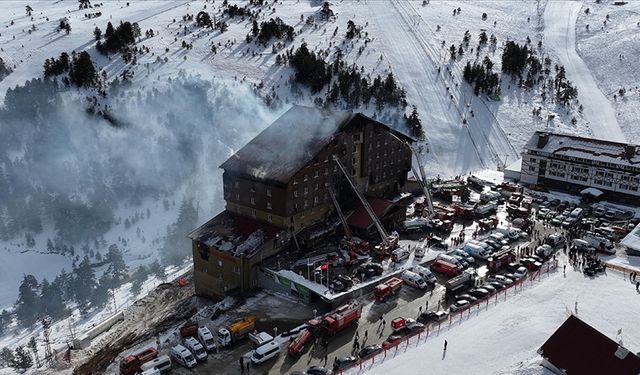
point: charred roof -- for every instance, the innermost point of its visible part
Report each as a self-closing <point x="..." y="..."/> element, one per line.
<point x="292" y="141"/>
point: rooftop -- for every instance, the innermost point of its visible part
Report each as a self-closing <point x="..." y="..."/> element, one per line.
<point x="238" y="235"/>
<point x="290" y="142"/>
<point x="586" y="148"/>
<point x="578" y="348"/>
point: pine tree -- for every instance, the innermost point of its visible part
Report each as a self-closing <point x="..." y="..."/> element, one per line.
<point x="7" y="359"/>
<point x="83" y="72"/>
<point x="109" y="31"/>
<point x="51" y="300"/>
<point x="138" y="278"/>
<point x="23" y="360"/>
<point x="84" y="283"/>
<point x="27" y="307"/>
<point x="33" y="346"/>
<point x="157" y="270"/>
<point x="5" y="321"/>
<point x="97" y="33"/>
<point x="117" y="269"/>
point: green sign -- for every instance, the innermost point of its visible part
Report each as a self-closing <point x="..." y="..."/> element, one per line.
<point x="283" y="281"/>
<point x="302" y="289"/>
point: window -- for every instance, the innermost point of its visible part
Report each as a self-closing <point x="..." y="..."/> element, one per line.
<point x="335" y="168"/>
<point x="268" y="192"/>
<point x="253" y="200"/>
<point x="236" y="269"/>
<point x="306" y="190"/>
<point x="295" y="181"/>
<point x="269" y="218"/>
<point x="315" y="175"/>
<point x="315" y="201"/>
<point x="306" y="177"/>
<point x="326" y="171"/>
<point x="532" y="168"/>
<point x="253" y="188"/>
<point x="236" y="184"/>
<point x="237" y="196"/>
<point x="253" y="214"/>
<point x="306" y="204"/>
<point x="268" y="205"/>
<point x="316" y="187"/>
<point x="219" y="263"/>
<point x="295" y="207"/>
<point x="295" y="193"/>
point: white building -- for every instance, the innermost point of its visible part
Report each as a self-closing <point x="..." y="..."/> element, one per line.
<point x="571" y="163"/>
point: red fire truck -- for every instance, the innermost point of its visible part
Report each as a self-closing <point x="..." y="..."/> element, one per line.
<point x="387" y="288"/>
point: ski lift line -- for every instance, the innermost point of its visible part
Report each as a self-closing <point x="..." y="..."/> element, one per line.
<point x="365" y="204"/>
<point x="426" y="48"/>
<point x="347" y="231"/>
<point x="457" y="67"/>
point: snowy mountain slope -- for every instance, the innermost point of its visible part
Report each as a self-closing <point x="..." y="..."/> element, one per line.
<point x="560" y="23"/>
<point x="503" y="339"/>
<point x="610" y="51"/>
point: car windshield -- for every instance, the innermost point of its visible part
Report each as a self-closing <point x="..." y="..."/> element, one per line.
<point x="189" y="358"/>
<point x="200" y="351"/>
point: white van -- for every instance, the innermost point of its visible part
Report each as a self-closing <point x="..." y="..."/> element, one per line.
<point x="576" y="213"/>
<point x="414" y="280"/>
<point x="206" y="338"/>
<point x="450" y="259"/>
<point x="426" y="274"/>
<point x="196" y="348"/>
<point x="399" y="255"/>
<point x="556" y="239"/>
<point x="265" y="353"/>
<point x="161" y="364"/>
<point x="151" y="371"/>
<point x="183" y="356"/>
<point x="476" y="251"/>
<point x="599" y="243"/>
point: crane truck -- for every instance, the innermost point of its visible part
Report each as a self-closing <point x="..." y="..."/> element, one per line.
<point x="236" y="330"/>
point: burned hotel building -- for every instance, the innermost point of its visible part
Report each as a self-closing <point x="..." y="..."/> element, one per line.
<point x="280" y="183"/>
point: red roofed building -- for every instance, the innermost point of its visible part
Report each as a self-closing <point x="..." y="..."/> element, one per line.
<point x="576" y="348"/>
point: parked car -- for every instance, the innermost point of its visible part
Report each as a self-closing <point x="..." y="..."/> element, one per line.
<point x="337" y="286"/>
<point x="520" y="272"/>
<point x="399" y="335"/>
<point x="513" y="266"/>
<point x="464" y="255"/>
<point x="479" y="293"/>
<point x="345" y="280"/>
<point x="318" y="370"/>
<point x="467" y="297"/>
<point x="489" y="288"/>
<point x="459" y="305"/>
<point x="501" y="279"/>
<point x="370" y="350"/>
<point x="342" y="363"/>
<point x="496" y="284"/>
<point x="432" y="316"/>
<point x="437" y="242"/>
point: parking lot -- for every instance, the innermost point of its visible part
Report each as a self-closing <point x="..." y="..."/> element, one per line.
<point x="551" y="220"/>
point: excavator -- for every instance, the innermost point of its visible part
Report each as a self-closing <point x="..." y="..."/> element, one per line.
<point x="389" y="242"/>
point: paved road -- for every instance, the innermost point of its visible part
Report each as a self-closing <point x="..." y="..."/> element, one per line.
<point x="560" y="35"/>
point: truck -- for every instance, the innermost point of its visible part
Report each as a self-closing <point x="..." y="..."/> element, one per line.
<point x="337" y="320"/>
<point x="486" y="209"/>
<point x="236" y="330"/>
<point x="387" y="289"/>
<point x="458" y="282"/>
<point x="131" y="363"/>
<point x="449" y="269"/>
<point x="189" y="329"/>
<point x="296" y="346"/>
<point x="259" y="338"/>
<point x="500" y="259"/>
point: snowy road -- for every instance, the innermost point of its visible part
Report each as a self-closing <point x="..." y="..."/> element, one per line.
<point x="560" y="35"/>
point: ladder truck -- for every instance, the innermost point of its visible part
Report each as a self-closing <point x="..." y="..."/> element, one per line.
<point x="389" y="243"/>
<point x="356" y="248"/>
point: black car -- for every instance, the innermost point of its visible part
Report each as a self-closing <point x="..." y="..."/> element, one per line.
<point x="513" y="266"/>
<point x="317" y="370"/>
<point x="432" y="316"/>
<point x="466" y="296"/>
<point x="369" y="350"/>
<point x="479" y="293"/>
<point x="496" y="284"/>
<point x="337" y="286"/>
<point x="345" y="280"/>
<point x="343" y="363"/>
<point x="493" y="244"/>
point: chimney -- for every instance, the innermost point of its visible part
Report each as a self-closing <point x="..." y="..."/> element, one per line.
<point x="543" y="138"/>
<point x="629" y="151"/>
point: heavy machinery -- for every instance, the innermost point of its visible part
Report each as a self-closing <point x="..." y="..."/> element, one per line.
<point x="389" y="243"/>
<point x="131" y="363"/>
<point x="357" y="249"/>
<point x="236" y="330"/>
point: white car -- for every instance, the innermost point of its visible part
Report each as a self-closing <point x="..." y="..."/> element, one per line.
<point x="459" y="305"/>
<point x="520" y="272"/>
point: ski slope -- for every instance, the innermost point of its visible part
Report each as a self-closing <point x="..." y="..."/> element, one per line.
<point x="560" y="35"/>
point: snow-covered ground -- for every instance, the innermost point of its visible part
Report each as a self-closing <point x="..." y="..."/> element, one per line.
<point x="503" y="338"/>
<point x="560" y="34"/>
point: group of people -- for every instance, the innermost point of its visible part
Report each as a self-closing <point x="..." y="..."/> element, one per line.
<point x="632" y="278"/>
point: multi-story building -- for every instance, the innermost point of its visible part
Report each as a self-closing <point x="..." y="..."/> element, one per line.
<point x="278" y="184"/>
<point x="570" y="163"/>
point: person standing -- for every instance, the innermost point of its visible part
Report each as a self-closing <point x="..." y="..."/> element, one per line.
<point x="445" y="345"/>
<point x="241" y="365"/>
<point x="637" y="285"/>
